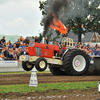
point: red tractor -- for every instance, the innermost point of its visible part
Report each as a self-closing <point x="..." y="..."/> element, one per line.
<point x="72" y="61"/>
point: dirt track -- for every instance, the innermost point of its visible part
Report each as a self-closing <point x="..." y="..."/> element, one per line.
<point x="44" y="78"/>
<point x="83" y="94"/>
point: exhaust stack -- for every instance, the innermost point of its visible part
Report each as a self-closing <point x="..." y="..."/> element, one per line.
<point x="43" y="40"/>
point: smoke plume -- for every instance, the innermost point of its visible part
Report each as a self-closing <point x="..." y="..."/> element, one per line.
<point x="64" y="10"/>
<point x="54" y="7"/>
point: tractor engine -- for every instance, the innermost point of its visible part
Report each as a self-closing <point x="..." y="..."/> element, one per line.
<point x="42" y="50"/>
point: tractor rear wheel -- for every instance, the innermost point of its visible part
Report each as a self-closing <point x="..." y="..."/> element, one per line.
<point x="56" y="70"/>
<point x="76" y="62"/>
<point x="27" y="66"/>
<point x="41" y="64"/>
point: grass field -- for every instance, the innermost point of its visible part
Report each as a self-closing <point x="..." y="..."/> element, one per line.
<point x="45" y="87"/>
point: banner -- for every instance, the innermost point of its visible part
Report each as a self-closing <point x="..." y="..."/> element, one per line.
<point x="8" y="63"/>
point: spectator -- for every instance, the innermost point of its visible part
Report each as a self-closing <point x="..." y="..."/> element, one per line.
<point x="3" y="49"/>
<point x="1" y="43"/>
<point x="88" y="45"/>
<point x="79" y="46"/>
<point x="16" y="50"/>
<point x="18" y="54"/>
<point x="2" y="56"/>
<point x="55" y="43"/>
<point x="26" y="41"/>
<point x="97" y="51"/>
<point x="6" y="53"/>
<point x="23" y="46"/>
<point x="10" y="54"/>
<point x="91" y="54"/>
<point x="21" y="39"/>
<point x="9" y="42"/>
<point x="96" y="46"/>
<point x="33" y="40"/>
<point x="46" y="40"/>
<point x="79" y="43"/>
<point x="18" y="40"/>
<point x="92" y="47"/>
<point x="3" y="39"/>
<point x="21" y="51"/>
<point x="14" y="55"/>
<point x="36" y="39"/>
<point x="26" y="45"/>
<point x="11" y="46"/>
<point x="26" y="51"/>
<point x="17" y="44"/>
<point x="74" y="44"/>
<point x="50" y="42"/>
<point x="5" y="44"/>
<point x="14" y="46"/>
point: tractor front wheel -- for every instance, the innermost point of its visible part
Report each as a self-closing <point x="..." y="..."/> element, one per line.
<point x="41" y="64"/>
<point x="27" y="66"/>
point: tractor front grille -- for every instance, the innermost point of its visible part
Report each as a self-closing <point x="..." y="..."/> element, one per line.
<point x="38" y="51"/>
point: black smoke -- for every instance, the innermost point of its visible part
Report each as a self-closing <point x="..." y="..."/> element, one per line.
<point x="47" y="21"/>
<point x="54" y="7"/>
<point x="64" y="10"/>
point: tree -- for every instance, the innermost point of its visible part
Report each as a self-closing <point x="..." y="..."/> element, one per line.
<point x="94" y="16"/>
<point x="76" y="25"/>
<point x="81" y="17"/>
<point x="87" y="23"/>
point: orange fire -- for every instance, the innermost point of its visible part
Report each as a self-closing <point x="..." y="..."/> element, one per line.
<point x="58" y="25"/>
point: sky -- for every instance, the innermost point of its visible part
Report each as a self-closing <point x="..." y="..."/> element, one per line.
<point x="20" y="17"/>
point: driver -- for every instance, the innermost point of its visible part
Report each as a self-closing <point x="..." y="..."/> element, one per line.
<point x="62" y="50"/>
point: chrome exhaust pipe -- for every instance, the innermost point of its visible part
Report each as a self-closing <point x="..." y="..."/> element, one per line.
<point x="43" y="40"/>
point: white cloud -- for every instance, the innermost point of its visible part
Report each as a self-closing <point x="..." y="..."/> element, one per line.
<point x="20" y="17"/>
<point x="19" y="22"/>
<point x="1" y="27"/>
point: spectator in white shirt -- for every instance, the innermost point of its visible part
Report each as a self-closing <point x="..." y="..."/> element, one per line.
<point x="14" y="55"/>
<point x="50" y="41"/>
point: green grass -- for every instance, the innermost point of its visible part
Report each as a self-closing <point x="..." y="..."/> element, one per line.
<point x="45" y="87"/>
<point x="23" y="72"/>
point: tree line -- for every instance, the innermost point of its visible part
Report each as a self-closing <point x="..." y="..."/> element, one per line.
<point x="81" y="17"/>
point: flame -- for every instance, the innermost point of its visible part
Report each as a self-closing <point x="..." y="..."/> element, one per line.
<point x="58" y="25"/>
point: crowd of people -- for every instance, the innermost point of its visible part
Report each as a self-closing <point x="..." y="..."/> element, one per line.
<point x="89" y="49"/>
<point x="11" y="51"/>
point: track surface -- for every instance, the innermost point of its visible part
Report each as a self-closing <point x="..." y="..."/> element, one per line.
<point x="44" y="78"/>
<point x="83" y="94"/>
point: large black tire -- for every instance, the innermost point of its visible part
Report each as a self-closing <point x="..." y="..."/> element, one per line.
<point x="41" y="64"/>
<point x="56" y="70"/>
<point x="76" y="62"/>
<point x="27" y="66"/>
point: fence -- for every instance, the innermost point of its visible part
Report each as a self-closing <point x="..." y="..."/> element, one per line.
<point x="12" y="66"/>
